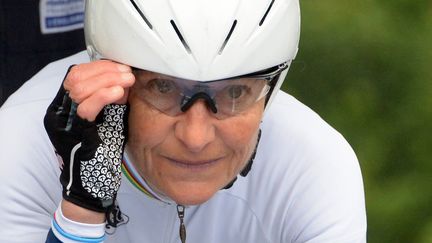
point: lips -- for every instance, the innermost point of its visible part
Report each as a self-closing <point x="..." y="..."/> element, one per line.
<point x="193" y="164"/>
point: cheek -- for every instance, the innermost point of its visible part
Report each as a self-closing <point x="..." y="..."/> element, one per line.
<point x="240" y="129"/>
<point x="240" y="133"/>
<point x="147" y="128"/>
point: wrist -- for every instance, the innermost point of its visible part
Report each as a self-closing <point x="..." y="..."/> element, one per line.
<point x="80" y="214"/>
<point x="70" y="231"/>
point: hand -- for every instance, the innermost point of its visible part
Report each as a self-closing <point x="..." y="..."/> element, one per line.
<point x="96" y="84"/>
<point x="90" y="142"/>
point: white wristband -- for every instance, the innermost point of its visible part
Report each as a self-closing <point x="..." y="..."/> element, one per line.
<point x="81" y="230"/>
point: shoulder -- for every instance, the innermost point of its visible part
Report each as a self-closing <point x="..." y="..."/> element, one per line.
<point x="21" y="117"/>
<point x="297" y="139"/>
<point x="294" y="131"/>
<point x="44" y="85"/>
<point x="304" y="171"/>
<point x="28" y="166"/>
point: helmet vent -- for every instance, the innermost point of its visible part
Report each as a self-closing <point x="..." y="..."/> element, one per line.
<point x="228" y="37"/>
<point x="142" y="14"/>
<point x="266" y="13"/>
<point x="183" y="41"/>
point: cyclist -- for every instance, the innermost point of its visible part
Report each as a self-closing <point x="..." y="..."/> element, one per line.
<point x="153" y="127"/>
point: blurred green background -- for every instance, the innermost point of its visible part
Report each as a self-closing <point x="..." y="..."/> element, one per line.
<point x="366" y="67"/>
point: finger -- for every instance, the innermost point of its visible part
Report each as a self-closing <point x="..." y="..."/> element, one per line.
<point x="59" y="99"/>
<point x="124" y="99"/>
<point x="93" y="105"/>
<point x="85" y="71"/>
<point x="81" y="91"/>
<point x="58" y="112"/>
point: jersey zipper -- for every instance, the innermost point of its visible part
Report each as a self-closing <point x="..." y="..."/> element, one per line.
<point x="182" y="228"/>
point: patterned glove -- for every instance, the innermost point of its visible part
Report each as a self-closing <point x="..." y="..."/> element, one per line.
<point x="90" y="153"/>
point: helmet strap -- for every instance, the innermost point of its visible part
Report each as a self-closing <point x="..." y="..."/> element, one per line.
<point x="248" y="166"/>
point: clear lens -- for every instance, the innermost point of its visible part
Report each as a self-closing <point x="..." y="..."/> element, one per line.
<point x="239" y="95"/>
<point x="230" y="96"/>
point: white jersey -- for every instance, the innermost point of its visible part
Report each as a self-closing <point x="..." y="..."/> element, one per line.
<point x="305" y="184"/>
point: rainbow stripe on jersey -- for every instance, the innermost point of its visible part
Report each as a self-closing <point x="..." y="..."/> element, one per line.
<point x="135" y="179"/>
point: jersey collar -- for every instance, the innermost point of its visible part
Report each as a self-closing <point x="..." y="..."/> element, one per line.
<point x="132" y="175"/>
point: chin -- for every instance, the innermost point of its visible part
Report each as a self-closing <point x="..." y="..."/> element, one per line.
<point x="192" y="196"/>
<point x="191" y="201"/>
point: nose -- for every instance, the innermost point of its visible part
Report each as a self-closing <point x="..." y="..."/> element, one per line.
<point x="195" y="129"/>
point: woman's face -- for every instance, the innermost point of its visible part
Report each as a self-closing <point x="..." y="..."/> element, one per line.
<point x="189" y="157"/>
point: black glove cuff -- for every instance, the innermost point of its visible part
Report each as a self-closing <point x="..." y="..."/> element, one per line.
<point x="101" y="206"/>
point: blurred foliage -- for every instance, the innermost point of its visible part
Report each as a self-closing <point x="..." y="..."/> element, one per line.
<point x="366" y="67"/>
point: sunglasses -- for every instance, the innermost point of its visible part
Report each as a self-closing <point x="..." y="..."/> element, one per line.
<point x="224" y="97"/>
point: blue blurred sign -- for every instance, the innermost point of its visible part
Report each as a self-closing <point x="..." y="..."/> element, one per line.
<point x="61" y="15"/>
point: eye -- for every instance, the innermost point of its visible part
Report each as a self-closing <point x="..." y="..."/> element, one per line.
<point x="236" y="91"/>
<point x="162" y="86"/>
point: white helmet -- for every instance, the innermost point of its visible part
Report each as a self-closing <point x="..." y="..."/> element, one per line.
<point x="200" y="40"/>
